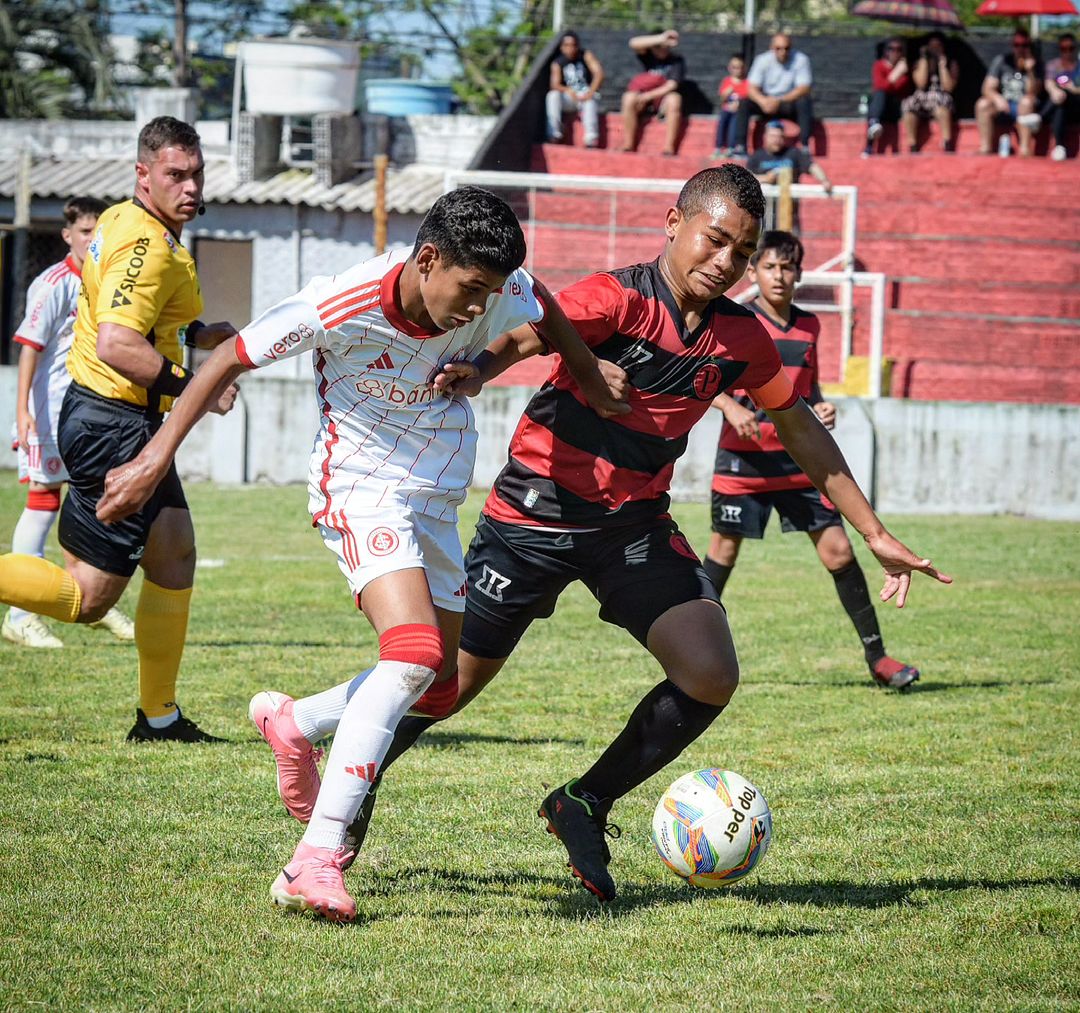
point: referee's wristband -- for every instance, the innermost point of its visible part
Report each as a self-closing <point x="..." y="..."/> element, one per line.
<point x="171" y="380"/>
<point x="191" y="332"/>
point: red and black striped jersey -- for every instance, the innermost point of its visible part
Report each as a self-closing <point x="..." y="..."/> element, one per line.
<point x="763" y="465"/>
<point x="567" y="466"/>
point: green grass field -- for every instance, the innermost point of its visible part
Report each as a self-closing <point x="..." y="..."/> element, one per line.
<point x="926" y="852"/>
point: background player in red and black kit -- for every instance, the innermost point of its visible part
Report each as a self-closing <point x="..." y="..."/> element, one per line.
<point x="585" y="498"/>
<point x="754" y="473"/>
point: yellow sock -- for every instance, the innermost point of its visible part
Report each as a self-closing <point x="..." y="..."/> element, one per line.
<point x="36" y="585"/>
<point x="161" y="620"/>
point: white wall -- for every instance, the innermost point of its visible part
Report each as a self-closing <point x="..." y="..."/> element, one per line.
<point x="912" y="456"/>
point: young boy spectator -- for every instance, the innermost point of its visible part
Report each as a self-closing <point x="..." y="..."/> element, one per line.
<point x="780" y="82"/>
<point x="1010" y="94"/>
<point x="45" y="335"/>
<point x="732" y="91"/>
<point x="576" y="76"/>
<point x="754" y="473"/>
<point x="1063" y="92"/>
<point x="776" y="154"/>
<point x="890" y="83"/>
<point x="655" y="89"/>
<point x="934" y="75"/>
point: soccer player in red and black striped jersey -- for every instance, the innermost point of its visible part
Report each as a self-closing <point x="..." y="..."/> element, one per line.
<point x="754" y="473"/>
<point x="585" y="498"/>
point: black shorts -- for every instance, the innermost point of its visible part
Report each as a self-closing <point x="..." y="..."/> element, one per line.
<point x="516" y="574"/>
<point x="96" y="434"/>
<point x="746" y="516"/>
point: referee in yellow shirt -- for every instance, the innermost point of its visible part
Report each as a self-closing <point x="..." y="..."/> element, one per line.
<point x="139" y="304"/>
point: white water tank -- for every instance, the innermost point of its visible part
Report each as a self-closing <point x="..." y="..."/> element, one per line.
<point x="299" y="77"/>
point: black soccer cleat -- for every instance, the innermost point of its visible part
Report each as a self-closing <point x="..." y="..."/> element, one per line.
<point x="893" y="674"/>
<point x="581" y="830"/>
<point x="356" y="832"/>
<point x="181" y="730"/>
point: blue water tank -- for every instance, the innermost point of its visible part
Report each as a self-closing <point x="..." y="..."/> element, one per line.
<point x="401" y="96"/>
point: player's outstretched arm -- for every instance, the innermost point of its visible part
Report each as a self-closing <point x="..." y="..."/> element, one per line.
<point x="816" y="452"/>
<point x="557" y="330"/>
<point x="128" y="487"/>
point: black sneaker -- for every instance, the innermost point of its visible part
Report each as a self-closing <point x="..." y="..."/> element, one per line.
<point x="581" y="831"/>
<point x="356" y="831"/>
<point x="181" y="730"/>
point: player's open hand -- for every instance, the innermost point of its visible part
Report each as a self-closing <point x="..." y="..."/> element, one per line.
<point x="458" y="378"/>
<point x="227" y="401"/>
<point x="127" y="488"/>
<point x="26" y="429"/>
<point x="899" y="562"/>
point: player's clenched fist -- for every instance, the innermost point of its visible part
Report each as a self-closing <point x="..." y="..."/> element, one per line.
<point x="227" y="401"/>
<point x="128" y="487"/>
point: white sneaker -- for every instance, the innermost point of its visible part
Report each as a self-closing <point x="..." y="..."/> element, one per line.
<point x="29" y="632"/>
<point x="1058" y="154"/>
<point x="874" y="131"/>
<point x="117" y="624"/>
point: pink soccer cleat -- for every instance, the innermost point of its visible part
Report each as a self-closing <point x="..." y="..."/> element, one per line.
<point x="893" y="674"/>
<point x="313" y="881"/>
<point x="297" y="762"/>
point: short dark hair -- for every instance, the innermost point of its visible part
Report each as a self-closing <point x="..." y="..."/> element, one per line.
<point x="1066" y="37"/>
<point x="728" y="180"/>
<point x="569" y="35"/>
<point x="163" y="132"/>
<point x="471" y="227"/>
<point x="78" y="207"/>
<point x="785" y="245"/>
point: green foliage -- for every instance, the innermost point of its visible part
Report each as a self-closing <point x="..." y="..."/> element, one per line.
<point x="924" y="854"/>
<point x="54" y="59"/>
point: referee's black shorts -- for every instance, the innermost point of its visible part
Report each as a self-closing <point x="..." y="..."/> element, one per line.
<point x="95" y="435"/>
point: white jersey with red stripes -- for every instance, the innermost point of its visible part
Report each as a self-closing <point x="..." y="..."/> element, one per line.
<point x="387" y="440"/>
<point x="47" y="327"/>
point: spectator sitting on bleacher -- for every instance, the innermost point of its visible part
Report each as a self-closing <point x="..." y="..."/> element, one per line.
<point x="934" y="75"/>
<point x="891" y="83"/>
<point x="1063" y="92"/>
<point x="776" y="154"/>
<point x="732" y="92"/>
<point x="576" y="76"/>
<point x="780" y="83"/>
<point x="655" y="89"/>
<point x="1010" y="94"/>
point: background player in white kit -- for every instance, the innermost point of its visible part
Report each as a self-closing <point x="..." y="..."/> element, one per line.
<point x="45" y="334"/>
<point x="397" y="342"/>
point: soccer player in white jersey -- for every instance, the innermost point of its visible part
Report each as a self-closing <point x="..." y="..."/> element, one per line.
<point x="45" y="334"/>
<point x="397" y="342"/>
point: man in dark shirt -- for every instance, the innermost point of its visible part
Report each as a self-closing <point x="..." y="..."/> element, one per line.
<point x="586" y="498"/>
<point x="1010" y="94"/>
<point x="576" y="76"/>
<point x="655" y="89"/>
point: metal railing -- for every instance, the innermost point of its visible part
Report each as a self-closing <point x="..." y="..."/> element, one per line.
<point x="837" y="270"/>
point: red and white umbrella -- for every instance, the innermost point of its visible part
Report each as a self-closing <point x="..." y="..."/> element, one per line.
<point x="1018" y="8"/>
<point x="938" y="13"/>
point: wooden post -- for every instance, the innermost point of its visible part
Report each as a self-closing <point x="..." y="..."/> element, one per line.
<point x="379" y="212"/>
<point x="785" y="210"/>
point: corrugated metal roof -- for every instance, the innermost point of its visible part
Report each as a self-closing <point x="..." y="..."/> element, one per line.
<point x="411" y="189"/>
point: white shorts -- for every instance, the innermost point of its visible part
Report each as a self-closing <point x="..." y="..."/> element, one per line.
<point x="369" y="543"/>
<point x="42" y="463"/>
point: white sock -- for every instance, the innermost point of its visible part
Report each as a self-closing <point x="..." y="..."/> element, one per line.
<point x="29" y="539"/>
<point x="318" y="716"/>
<point x="364" y="734"/>
<point x="165" y="720"/>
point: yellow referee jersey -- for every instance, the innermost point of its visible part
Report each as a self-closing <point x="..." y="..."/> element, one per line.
<point x="137" y="274"/>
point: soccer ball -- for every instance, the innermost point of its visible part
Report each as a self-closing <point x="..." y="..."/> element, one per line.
<point x="712" y="827"/>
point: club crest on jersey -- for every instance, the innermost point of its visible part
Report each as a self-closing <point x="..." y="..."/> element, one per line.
<point x="169" y="239"/>
<point x="95" y="247"/>
<point x="382" y="541"/>
<point x="707" y="381"/>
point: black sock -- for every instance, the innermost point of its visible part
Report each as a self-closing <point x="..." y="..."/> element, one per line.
<point x="855" y="597"/>
<point x="409" y="729"/>
<point x="663" y="724"/>
<point x="717" y="573"/>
